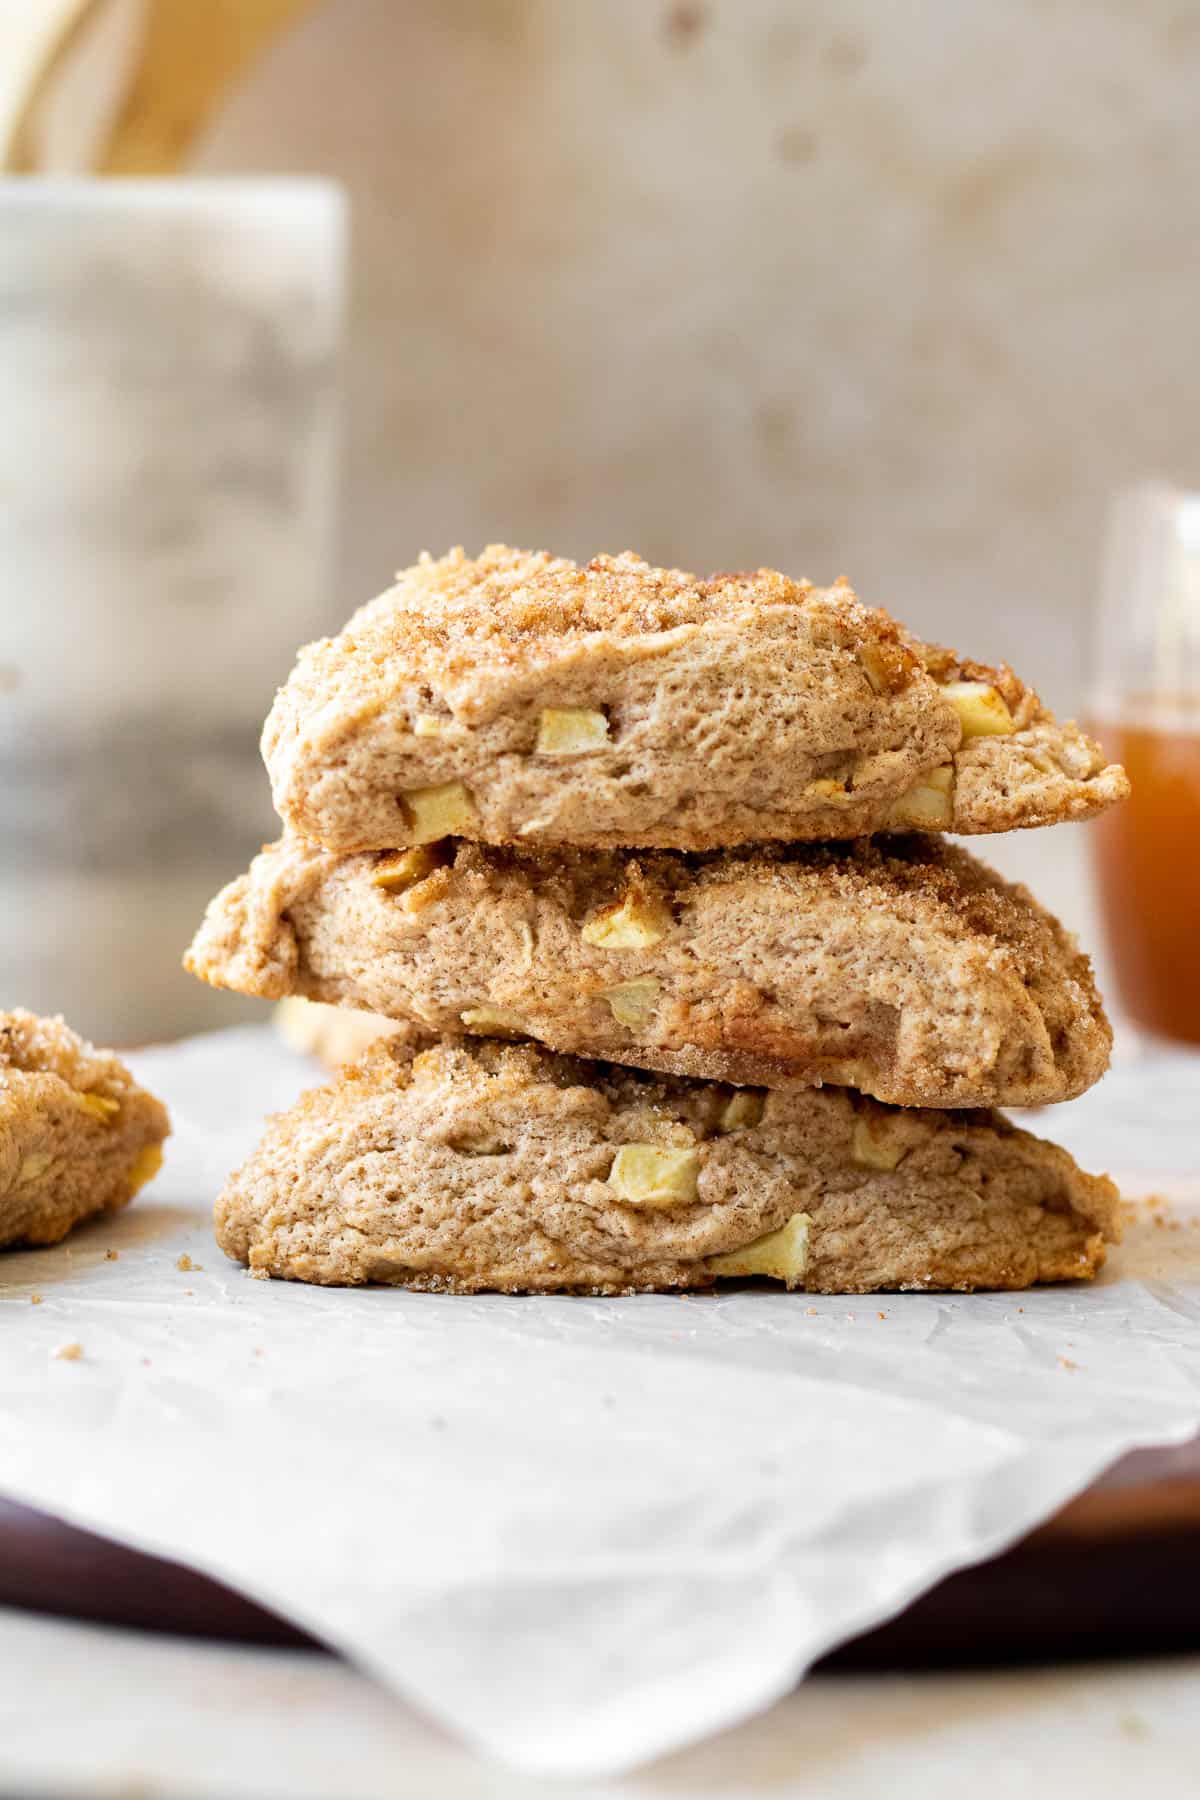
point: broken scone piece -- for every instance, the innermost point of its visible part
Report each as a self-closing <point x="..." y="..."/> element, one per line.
<point x="903" y="968"/>
<point x="464" y="1168"/>
<point x="518" y="697"/>
<point x="335" y="1035"/>
<point x="78" y="1136"/>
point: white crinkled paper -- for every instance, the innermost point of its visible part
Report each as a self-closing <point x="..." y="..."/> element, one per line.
<point x="580" y="1532"/>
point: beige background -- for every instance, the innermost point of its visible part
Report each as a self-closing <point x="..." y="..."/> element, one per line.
<point x="899" y="290"/>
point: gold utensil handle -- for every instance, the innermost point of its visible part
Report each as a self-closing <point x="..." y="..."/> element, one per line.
<point x="188" y="54"/>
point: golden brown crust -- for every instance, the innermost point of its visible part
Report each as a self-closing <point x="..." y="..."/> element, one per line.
<point x="903" y="967"/>
<point x="506" y="605"/>
<point x="78" y="1136"/>
<point x="742" y="708"/>
<point x="479" y="1166"/>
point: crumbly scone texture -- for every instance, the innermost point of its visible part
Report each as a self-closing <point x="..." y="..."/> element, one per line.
<point x="335" y="1035"/>
<point x="477" y="1166"/>
<point x="78" y="1136"/>
<point x="901" y="967"/>
<point x="742" y="708"/>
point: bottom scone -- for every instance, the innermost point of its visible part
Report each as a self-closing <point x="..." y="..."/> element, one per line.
<point x="473" y="1166"/>
<point x="77" y="1134"/>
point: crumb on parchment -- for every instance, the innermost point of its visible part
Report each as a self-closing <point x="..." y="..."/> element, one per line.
<point x="35" y="1299"/>
<point x="1159" y="1209"/>
<point x="188" y="1266"/>
<point x="71" y="1352"/>
<point x="111" y="1255"/>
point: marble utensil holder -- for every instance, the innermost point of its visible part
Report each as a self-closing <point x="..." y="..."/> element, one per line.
<point x="169" y="355"/>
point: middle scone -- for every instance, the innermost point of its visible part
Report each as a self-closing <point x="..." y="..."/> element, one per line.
<point x="903" y="968"/>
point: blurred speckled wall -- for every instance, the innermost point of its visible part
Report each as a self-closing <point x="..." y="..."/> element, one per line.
<point x="895" y="290"/>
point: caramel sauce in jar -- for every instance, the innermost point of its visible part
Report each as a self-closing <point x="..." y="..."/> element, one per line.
<point x="1147" y="858"/>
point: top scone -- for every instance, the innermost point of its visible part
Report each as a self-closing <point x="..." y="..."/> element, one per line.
<point x="518" y="697"/>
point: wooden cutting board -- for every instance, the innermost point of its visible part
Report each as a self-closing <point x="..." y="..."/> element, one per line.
<point x="1117" y="1573"/>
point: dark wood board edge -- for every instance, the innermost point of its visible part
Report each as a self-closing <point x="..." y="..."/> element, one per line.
<point x="1116" y="1573"/>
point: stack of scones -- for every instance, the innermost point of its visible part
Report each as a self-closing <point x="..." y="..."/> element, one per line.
<point x="649" y="873"/>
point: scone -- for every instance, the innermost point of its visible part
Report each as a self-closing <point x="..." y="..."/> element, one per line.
<point x="520" y="698"/>
<point x="902" y="968"/>
<point x="479" y="1166"/>
<point x="77" y="1134"/>
<point x="335" y="1035"/>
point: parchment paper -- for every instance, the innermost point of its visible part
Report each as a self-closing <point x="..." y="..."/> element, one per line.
<point x="580" y="1532"/>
